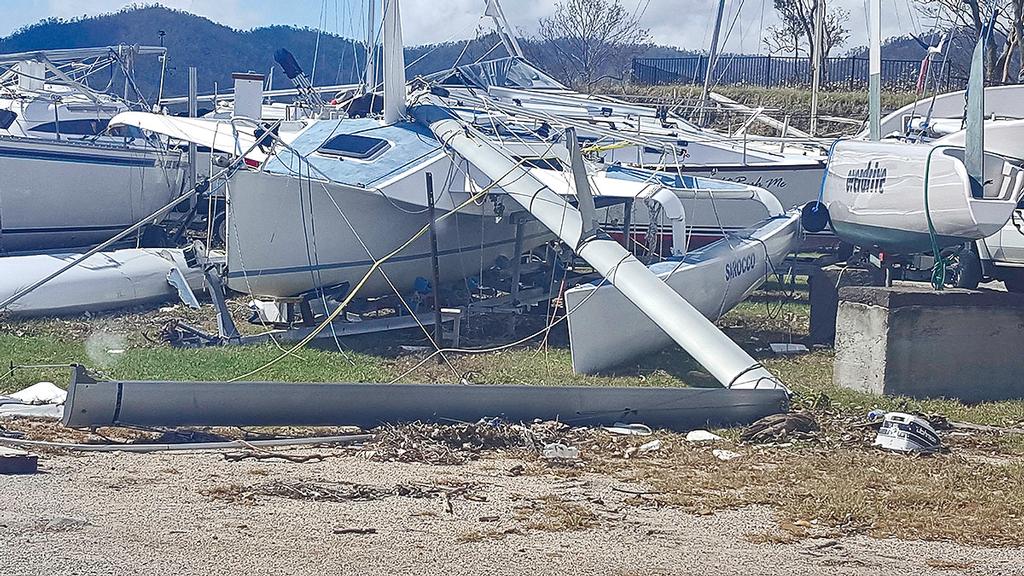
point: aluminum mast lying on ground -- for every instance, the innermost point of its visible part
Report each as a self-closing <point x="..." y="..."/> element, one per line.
<point x="722" y="357"/>
<point x="140" y="403"/>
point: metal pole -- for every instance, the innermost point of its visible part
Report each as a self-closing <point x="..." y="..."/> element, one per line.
<point x="627" y="225"/>
<point x="436" y="271"/>
<point x="819" y="23"/>
<point x="875" y="70"/>
<point x="193" y="111"/>
<point x="709" y="69"/>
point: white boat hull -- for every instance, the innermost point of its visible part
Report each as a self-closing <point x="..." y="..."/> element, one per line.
<point x="794" y="185"/>
<point x="103" y="281"/>
<point x="60" y="194"/>
<point x="875" y="194"/>
<point x="287" y="236"/>
<point x="607" y="330"/>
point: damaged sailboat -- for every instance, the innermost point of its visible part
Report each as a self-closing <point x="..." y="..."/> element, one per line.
<point x="69" y="179"/>
<point x="341" y="209"/>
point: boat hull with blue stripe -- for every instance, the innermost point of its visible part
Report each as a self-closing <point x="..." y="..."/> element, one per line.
<point x="63" y="193"/>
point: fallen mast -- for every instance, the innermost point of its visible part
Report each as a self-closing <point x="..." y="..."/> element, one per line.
<point x="92" y="403"/>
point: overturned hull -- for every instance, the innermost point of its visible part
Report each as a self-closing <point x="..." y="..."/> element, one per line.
<point x="143" y="403"/>
<point x="103" y="281"/>
<point x="607" y="330"/>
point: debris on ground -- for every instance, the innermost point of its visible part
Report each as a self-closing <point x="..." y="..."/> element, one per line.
<point x="15" y="461"/>
<point x="778" y="427"/>
<point x="647" y="448"/>
<point x="459" y="443"/>
<point x="624" y="429"/>
<point x="725" y="455"/>
<point x="787" y="348"/>
<point x="342" y="491"/>
<point x="559" y="451"/>
<point x="702" y="436"/>
<point x="907" y="433"/>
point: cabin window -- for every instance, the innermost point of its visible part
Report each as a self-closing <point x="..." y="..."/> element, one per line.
<point x="354" y="146"/>
<point x="542" y="163"/>
<point x="7" y="118"/>
<point x="73" y="127"/>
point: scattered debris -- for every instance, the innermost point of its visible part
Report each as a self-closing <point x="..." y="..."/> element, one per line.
<point x="558" y="451"/>
<point x="270" y="455"/>
<point x="779" y="426"/>
<point x="14" y="461"/>
<point x="907" y="433"/>
<point x="342" y="491"/>
<point x="702" y="436"/>
<point x="787" y="348"/>
<point x="446" y="444"/>
<point x="41" y="393"/>
<point x="42" y="400"/>
<point x="629" y="429"/>
<point x="725" y="455"/>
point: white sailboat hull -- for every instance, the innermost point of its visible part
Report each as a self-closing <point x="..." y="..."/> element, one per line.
<point x="288" y="236"/>
<point x="875" y="194"/>
<point x="104" y="281"/>
<point x="607" y="330"/>
<point x="708" y="221"/>
<point x="58" y="194"/>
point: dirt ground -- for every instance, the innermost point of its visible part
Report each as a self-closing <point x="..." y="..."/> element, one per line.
<point x="199" y="513"/>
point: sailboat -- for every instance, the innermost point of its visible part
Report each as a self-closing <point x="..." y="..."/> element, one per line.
<point x="68" y="180"/>
<point x="341" y="208"/>
<point x="644" y="136"/>
<point x="910" y="194"/>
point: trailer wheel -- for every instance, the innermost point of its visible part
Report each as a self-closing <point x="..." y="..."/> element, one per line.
<point x="964" y="270"/>
<point x="220" y="229"/>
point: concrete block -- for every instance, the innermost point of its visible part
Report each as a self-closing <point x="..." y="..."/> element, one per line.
<point x="823" y="286"/>
<point x="912" y="341"/>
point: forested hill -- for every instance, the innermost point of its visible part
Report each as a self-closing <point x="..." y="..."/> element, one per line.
<point x="217" y="50"/>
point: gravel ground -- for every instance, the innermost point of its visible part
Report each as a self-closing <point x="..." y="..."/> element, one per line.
<point x="154" y="514"/>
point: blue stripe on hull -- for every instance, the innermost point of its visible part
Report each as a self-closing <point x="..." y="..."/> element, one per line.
<point x="75" y="158"/>
<point x="361" y="263"/>
<point x="64" y="229"/>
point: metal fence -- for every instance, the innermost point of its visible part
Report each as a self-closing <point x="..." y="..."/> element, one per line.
<point x="845" y="73"/>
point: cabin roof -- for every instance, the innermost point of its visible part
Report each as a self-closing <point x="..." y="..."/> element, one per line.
<point x="409" y="145"/>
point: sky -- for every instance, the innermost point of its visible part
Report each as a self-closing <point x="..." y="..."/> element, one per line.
<point x="683" y="23"/>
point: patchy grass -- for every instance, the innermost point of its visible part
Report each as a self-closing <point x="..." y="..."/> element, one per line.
<point x="850" y="490"/>
<point x="835" y="484"/>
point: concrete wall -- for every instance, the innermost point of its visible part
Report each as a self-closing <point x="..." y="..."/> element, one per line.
<point x="912" y="341"/>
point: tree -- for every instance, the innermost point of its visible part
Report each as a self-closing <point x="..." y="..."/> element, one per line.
<point x="971" y="16"/>
<point x="590" y="40"/>
<point x="796" y="31"/>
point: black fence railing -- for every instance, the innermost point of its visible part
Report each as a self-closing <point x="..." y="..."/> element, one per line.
<point x="845" y="73"/>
